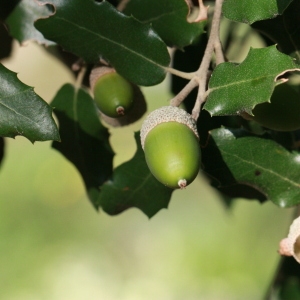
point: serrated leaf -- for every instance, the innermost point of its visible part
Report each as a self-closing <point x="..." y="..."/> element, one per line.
<point x="93" y="30"/>
<point x="254" y="161"/>
<point x="20" y="21"/>
<point x="169" y="20"/>
<point x="23" y="112"/>
<point x="250" y="11"/>
<point x="84" y="141"/>
<point x="284" y="30"/>
<point x="133" y="185"/>
<point x="238" y="88"/>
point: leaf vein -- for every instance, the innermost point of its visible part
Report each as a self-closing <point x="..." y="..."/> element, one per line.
<point x="111" y="41"/>
<point x="263" y="168"/>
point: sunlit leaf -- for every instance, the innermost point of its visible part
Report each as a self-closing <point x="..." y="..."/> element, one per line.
<point x="22" y="111"/>
<point x="84" y="141"/>
<point x="250" y="11"/>
<point x="94" y="30"/>
<point x="238" y="88"/>
<point x="132" y="185"/>
<point x="233" y="157"/>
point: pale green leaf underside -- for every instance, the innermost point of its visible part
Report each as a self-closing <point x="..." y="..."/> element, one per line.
<point x="20" y="21"/>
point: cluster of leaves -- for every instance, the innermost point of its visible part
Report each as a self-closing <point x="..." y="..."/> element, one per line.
<point x="242" y="158"/>
<point x="90" y="31"/>
<point x="241" y="162"/>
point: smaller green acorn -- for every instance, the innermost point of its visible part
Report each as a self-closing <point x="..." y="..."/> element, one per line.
<point x="137" y="110"/>
<point x="113" y="94"/>
<point x="170" y="141"/>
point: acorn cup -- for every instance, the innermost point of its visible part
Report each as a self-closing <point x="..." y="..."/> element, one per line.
<point x="170" y="142"/>
<point x="120" y="102"/>
<point x="290" y="246"/>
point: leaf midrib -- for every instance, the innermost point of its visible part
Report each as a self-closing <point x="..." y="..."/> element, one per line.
<point x="16" y="112"/>
<point x="111" y="41"/>
<point x="162" y="16"/>
<point x="263" y="168"/>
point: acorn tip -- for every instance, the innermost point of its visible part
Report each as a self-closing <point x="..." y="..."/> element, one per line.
<point x="182" y="183"/>
<point x="120" y="110"/>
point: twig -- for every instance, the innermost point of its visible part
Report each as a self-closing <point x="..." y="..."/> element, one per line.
<point x="176" y="101"/>
<point x="121" y="6"/>
<point x="80" y="77"/>
<point x="219" y="52"/>
<point x="184" y="75"/>
<point x="203" y="69"/>
<point x="200" y="77"/>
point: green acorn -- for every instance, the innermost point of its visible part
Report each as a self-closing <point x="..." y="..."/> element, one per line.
<point x="122" y="104"/>
<point x="170" y="141"/>
<point x="113" y="94"/>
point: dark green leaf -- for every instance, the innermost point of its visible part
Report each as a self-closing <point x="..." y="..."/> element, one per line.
<point x="282" y="113"/>
<point x="238" y="88"/>
<point x="84" y="141"/>
<point x="232" y="157"/>
<point x="20" y="21"/>
<point x="169" y="20"/>
<point x="22" y="111"/>
<point x="250" y="11"/>
<point x="133" y="185"/>
<point x="93" y="30"/>
<point x="284" y="30"/>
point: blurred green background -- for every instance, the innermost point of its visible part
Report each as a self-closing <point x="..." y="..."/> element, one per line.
<point x="55" y="246"/>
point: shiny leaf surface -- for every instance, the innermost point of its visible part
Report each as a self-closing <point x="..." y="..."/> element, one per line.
<point x="255" y="162"/>
<point x="94" y="30"/>
<point x="238" y="88"/>
<point x="22" y="111"/>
